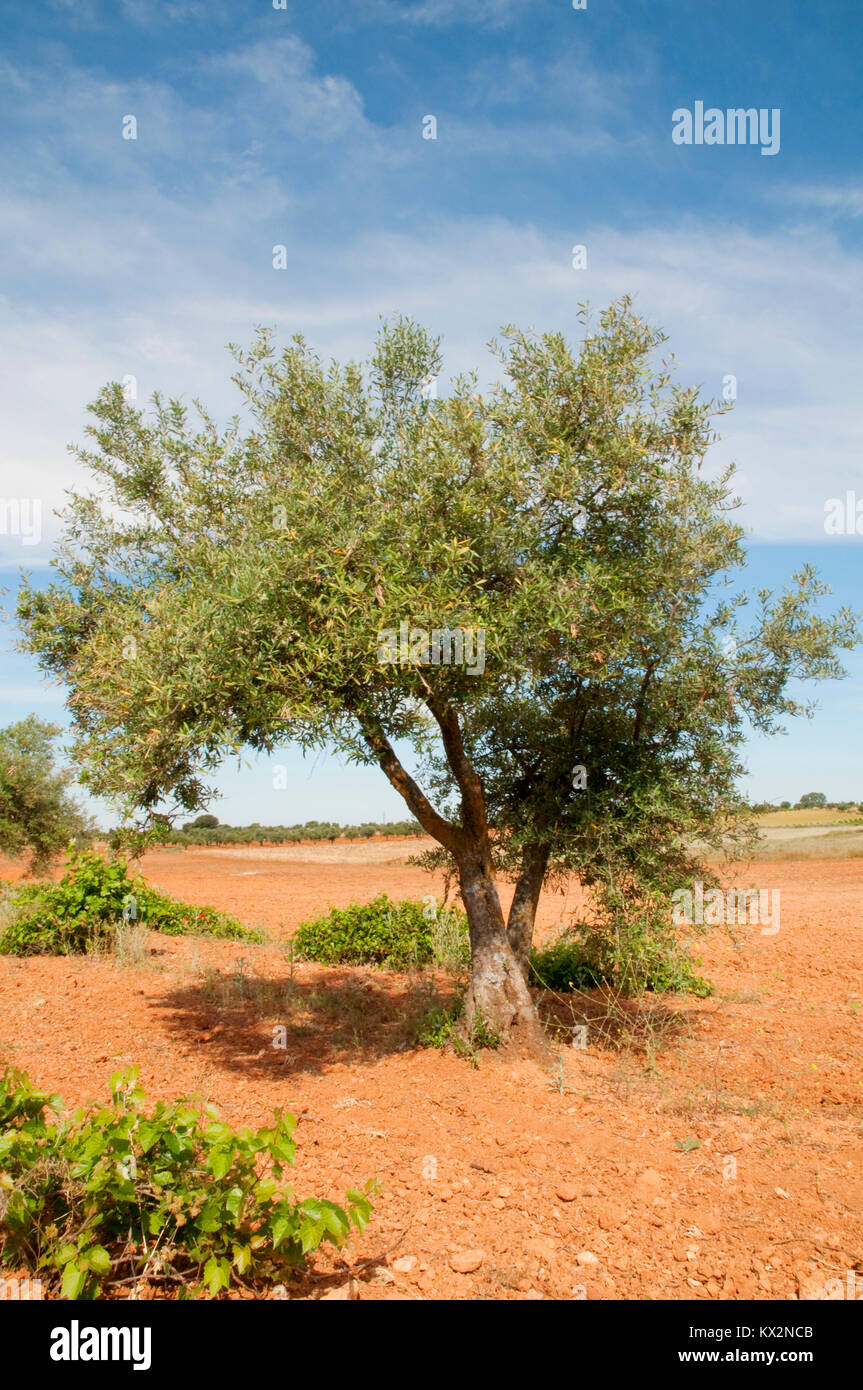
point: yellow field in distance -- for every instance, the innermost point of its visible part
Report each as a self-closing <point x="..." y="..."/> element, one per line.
<point x="817" y="815"/>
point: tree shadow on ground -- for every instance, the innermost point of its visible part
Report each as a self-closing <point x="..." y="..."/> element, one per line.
<point x="271" y="1027"/>
<point x="606" y="1019"/>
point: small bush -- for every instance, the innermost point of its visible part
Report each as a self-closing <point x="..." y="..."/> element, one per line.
<point x="572" y="963"/>
<point x="118" y="1194"/>
<point x="562" y="966"/>
<point x="381" y="932"/>
<point x="94" y="895"/>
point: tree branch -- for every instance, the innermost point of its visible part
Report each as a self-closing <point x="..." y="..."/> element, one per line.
<point x="473" y="798"/>
<point x="639" y="704"/>
<point x="440" y="829"/>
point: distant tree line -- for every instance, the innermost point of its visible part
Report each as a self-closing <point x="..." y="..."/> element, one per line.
<point x="207" y="830"/>
<point x="808" y="802"/>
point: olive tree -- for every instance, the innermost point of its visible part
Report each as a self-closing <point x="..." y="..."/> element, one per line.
<point x="510" y="600"/>
<point x="38" y="816"/>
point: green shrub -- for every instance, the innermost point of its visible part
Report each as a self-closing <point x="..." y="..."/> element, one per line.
<point x="381" y="932"/>
<point x="562" y="966"/>
<point x="576" y="962"/>
<point x="92" y="897"/>
<point x="110" y="1195"/>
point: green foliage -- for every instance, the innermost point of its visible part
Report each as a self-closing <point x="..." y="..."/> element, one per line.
<point x="93" y="896"/>
<point x="438" y="1026"/>
<point x="584" y="958"/>
<point x="37" y="815"/>
<point x="444" y="1027"/>
<point x="396" y="934"/>
<point x="688" y="1145"/>
<point x="811" y="799"/>
<point x="113" y="1193"/>
<point x="483" y="1034"/>
<point x="206" y="822"/>
<point x="563" y="965"/>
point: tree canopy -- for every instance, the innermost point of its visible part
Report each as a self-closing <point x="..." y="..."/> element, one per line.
<point x="305" y="575"/>
<point x="812" y="799"/>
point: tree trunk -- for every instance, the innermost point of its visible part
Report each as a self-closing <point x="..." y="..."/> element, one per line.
<point x="498" y="992"/>
<point x="522" y="912"/>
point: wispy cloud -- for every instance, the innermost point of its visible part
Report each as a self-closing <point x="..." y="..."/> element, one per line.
<point x="443" y="13"/>
<point x="838" y="200"/>
<point x="794" y="431"/>
<point x="306" y="103"/>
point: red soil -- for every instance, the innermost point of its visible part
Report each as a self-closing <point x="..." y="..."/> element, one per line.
<point x="563" y="1183"/>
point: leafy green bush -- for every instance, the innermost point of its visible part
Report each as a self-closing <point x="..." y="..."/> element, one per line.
<point x="115" y="1194"/>
<point x="381" y="932"/>
<point x="93" y="895"/>
<point x="575" y="962"/>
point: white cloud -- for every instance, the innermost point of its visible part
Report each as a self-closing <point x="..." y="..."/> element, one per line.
<point x="152" y="271"/>
<point x="780" y="316"/>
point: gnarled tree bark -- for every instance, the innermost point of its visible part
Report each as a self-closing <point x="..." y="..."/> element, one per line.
<point x="498" y="992"/>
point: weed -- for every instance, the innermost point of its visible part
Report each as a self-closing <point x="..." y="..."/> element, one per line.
<point x="687" y="1146"/>
<point x="130" y="944"/>
<point x="438" y="1025"/>
<point x="442" y="1027"/>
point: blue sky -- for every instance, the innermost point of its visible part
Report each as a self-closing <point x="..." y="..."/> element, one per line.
<point x="303" y="127"/>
